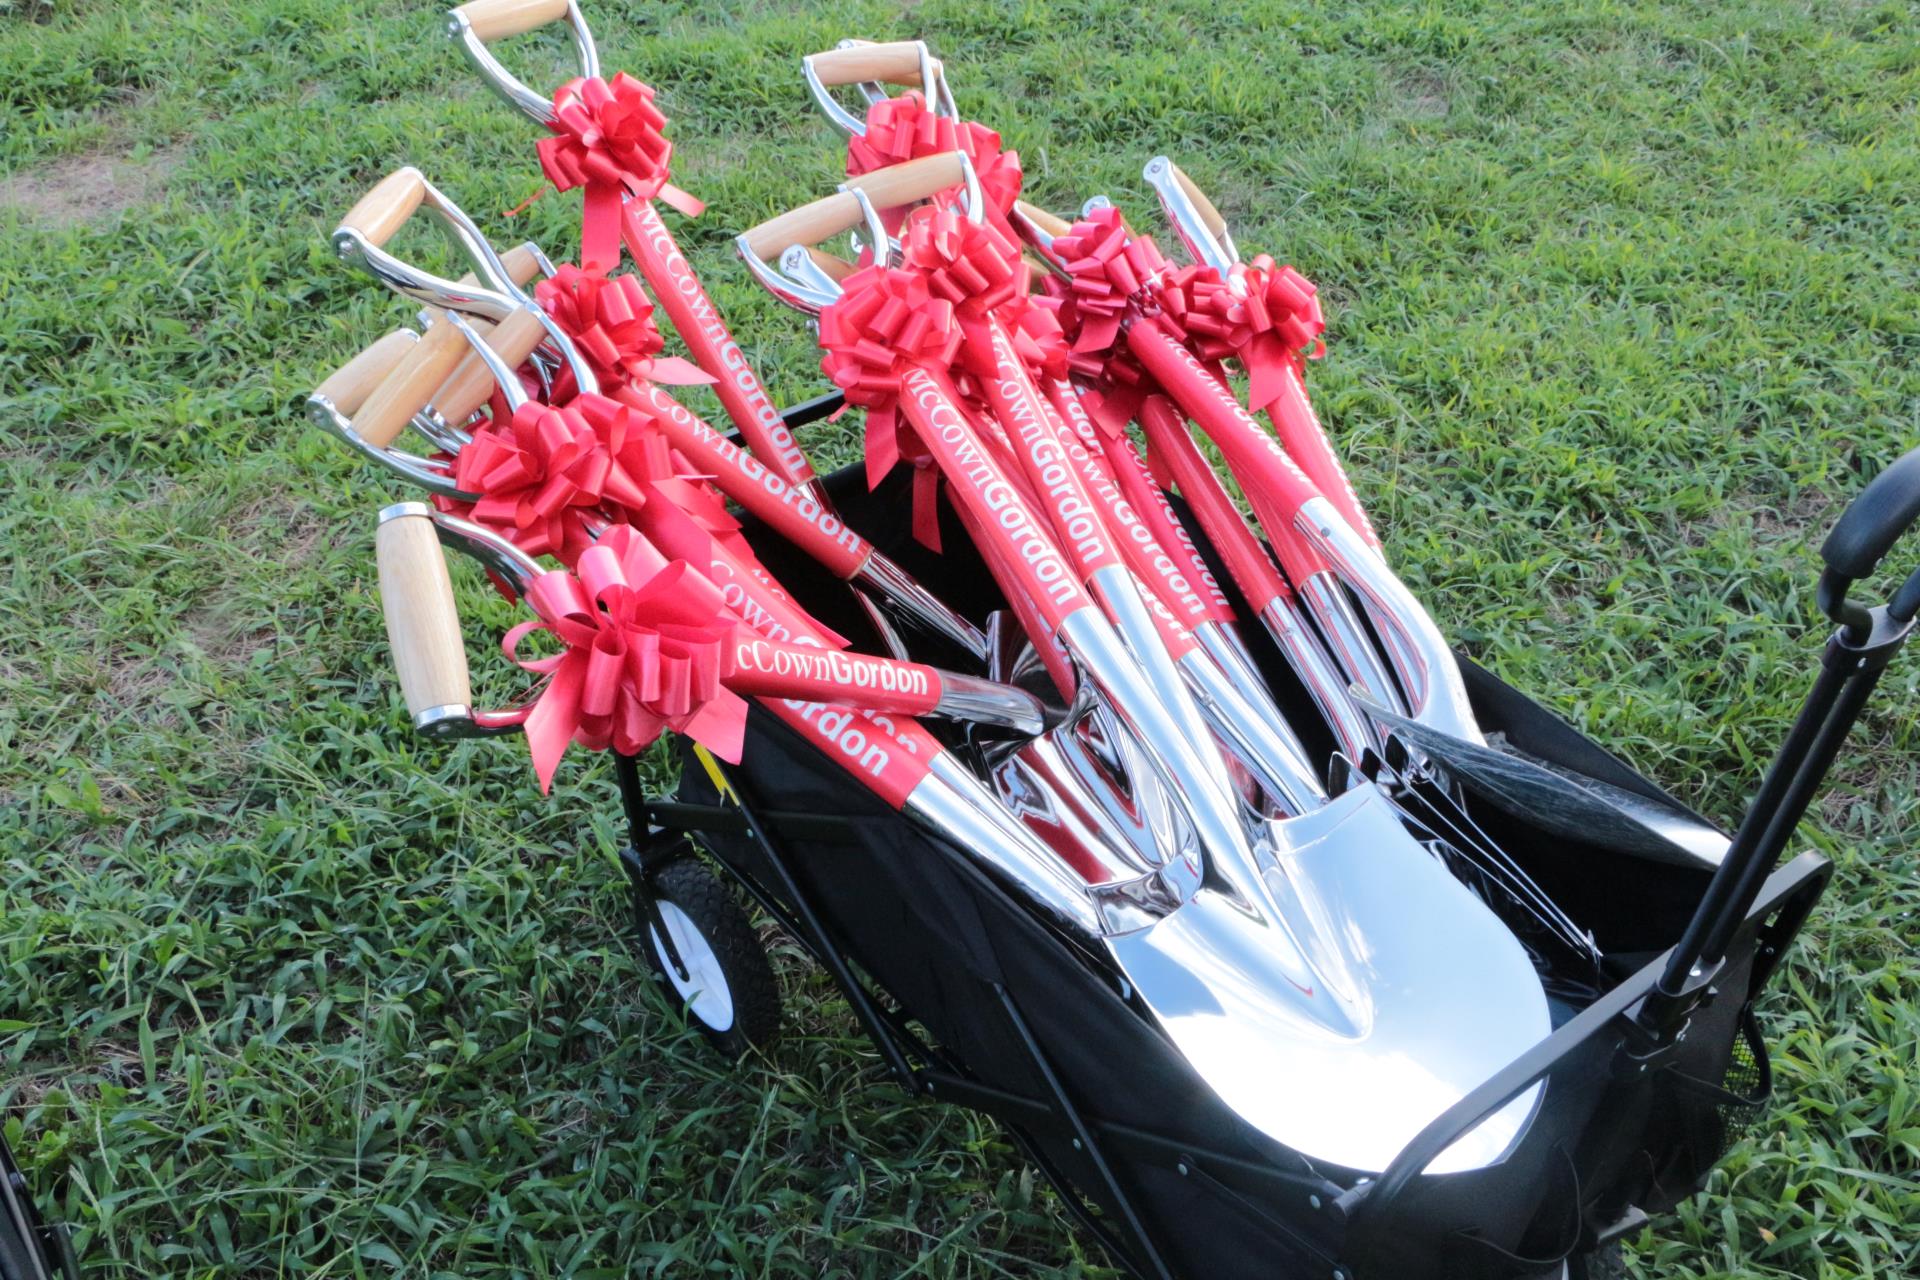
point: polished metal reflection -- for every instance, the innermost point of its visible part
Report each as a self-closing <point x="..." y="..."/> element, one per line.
<point x="505" y="83"/>
<point x="1559" y="800"/>
<point x="1352" y="732"/>
<point x="1216" y="251"/>
<point x="1435" y="694"/>
<point x="1384" y="994"/>
<point x="914" y="605"/>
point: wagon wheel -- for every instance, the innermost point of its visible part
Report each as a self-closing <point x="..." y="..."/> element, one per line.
<point x="723" y="982"/>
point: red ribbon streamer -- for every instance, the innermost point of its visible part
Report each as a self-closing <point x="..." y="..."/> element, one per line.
<point x="610" y="319"/>
<point x="645" y="652"/>
<point x="608" y="138"/>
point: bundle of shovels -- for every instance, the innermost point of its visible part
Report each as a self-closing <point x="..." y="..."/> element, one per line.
<point x="1204" y="731"/>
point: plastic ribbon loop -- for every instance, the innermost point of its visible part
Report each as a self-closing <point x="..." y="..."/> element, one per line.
<point x="885" y="320"/>
<point x="906" y="128"/>
<point x="544" y="473"/>
<point x="1108" y="272"/>
<point x="608" y="138"/>
<point x="1266" y="316"/>
<point x="610" y="319"/>
<point x="646" y="648"/>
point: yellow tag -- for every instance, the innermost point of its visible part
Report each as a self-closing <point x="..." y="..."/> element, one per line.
<point x="712" y="767"/>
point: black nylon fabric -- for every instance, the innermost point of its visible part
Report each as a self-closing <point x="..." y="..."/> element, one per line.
<point x="940" y="937"/>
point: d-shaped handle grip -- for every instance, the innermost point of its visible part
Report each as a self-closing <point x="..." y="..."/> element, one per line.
<point x="348" y="387"/>
<point x="497" y="19"/>
<point x="1864" y="534"/>
<point x="423" y="623"/>
<point x="386" y="208"/>
<point x="899" y="62"/>
<point x="828" y="216"/>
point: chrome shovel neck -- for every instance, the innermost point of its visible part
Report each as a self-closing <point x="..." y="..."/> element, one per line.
<point x="1206" y="238"/>
<point x="538" y="106"/>
<point x="493" y="294"/>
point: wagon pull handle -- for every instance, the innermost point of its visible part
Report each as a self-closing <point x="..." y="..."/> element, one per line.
<point x="1857" y="654"/>
<point x="423" y="622"/>
<point x="1861" y="538"/>
<point x="479" y="23"/>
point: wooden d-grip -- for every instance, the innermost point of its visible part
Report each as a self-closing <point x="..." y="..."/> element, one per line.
<point x="895" y="62"/>
<point x="886" y="188"/>
<point x="349" y="386"/>
<point x="383" y="210"/>
<point x="423" y="624"/>
<point x="1208" y="214"/>
<point x="497" y="19"/>
<point x="513" y="340"/>
<point x="410" y="386"/>
<point x="1052" y="224"/>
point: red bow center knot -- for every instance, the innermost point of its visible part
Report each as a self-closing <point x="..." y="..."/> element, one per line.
<point x="610" y="319"/>
<point x="885" y="321"/>
<point x="1263" y="315"/>
<point x="646" y="646"/>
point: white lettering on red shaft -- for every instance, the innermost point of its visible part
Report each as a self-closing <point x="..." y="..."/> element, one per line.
<point x="831" y="666"/>
<point x="800" y="500"/>
<point x="978" y="472"/>
<point x="837" y="727"/>
<point x="1075" y="518"/>
<point x="685" y="295"/>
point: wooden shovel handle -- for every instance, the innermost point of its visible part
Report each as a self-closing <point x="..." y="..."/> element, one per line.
<point x="1052" y="224"/>
<point x="887" y="188"/>
<point x="349" y="386"/>
<point x="423" y="624"/>
<point x="383" y="210"/>
<point x="410" y="386"/>
<point x="895" y="62"/>
<point x="497" y="19"/>
<point x="513" y="339"/>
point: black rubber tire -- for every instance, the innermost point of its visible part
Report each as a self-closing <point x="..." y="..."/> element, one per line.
<point x="713" y="911"/>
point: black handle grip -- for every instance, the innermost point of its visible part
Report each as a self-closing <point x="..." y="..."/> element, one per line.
<point x="1874" y="521"/>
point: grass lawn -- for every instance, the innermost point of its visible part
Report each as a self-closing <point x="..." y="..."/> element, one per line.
<point x="1623" y="305"/>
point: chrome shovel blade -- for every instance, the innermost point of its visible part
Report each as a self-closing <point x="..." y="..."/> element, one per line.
<point x="1417" y="994"/>
<point x="1560" y="801"/>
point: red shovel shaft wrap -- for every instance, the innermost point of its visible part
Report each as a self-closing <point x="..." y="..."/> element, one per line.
<point x="699" y="325"/>
<point x="1275" y="486"/>
<point x="1028" y="552"/>
<point x="1169" y="577"/>
<point x="889" y="755"/>
<point x="1040" y="450"/>
<point x="791" y="510"/>
<point x="1247" y="562"/>
<point x="774" y="668"/>
<point x="1306" y="443"/>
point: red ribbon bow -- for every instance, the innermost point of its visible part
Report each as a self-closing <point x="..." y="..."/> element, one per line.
<point x="610" y="319"/>
<point x="1107" y="271"/>
<point x="969" y="264"/>
<point x="905" y="128"/>
<point x="1265" y="316"/>
<point x="546" y="472"/>
<point x="885" y="320"/>
<point x="608" y="139"/>
<point x="646" y="647"/>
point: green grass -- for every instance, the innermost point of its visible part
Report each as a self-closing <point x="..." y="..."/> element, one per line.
<point x="1623" y="306"/>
